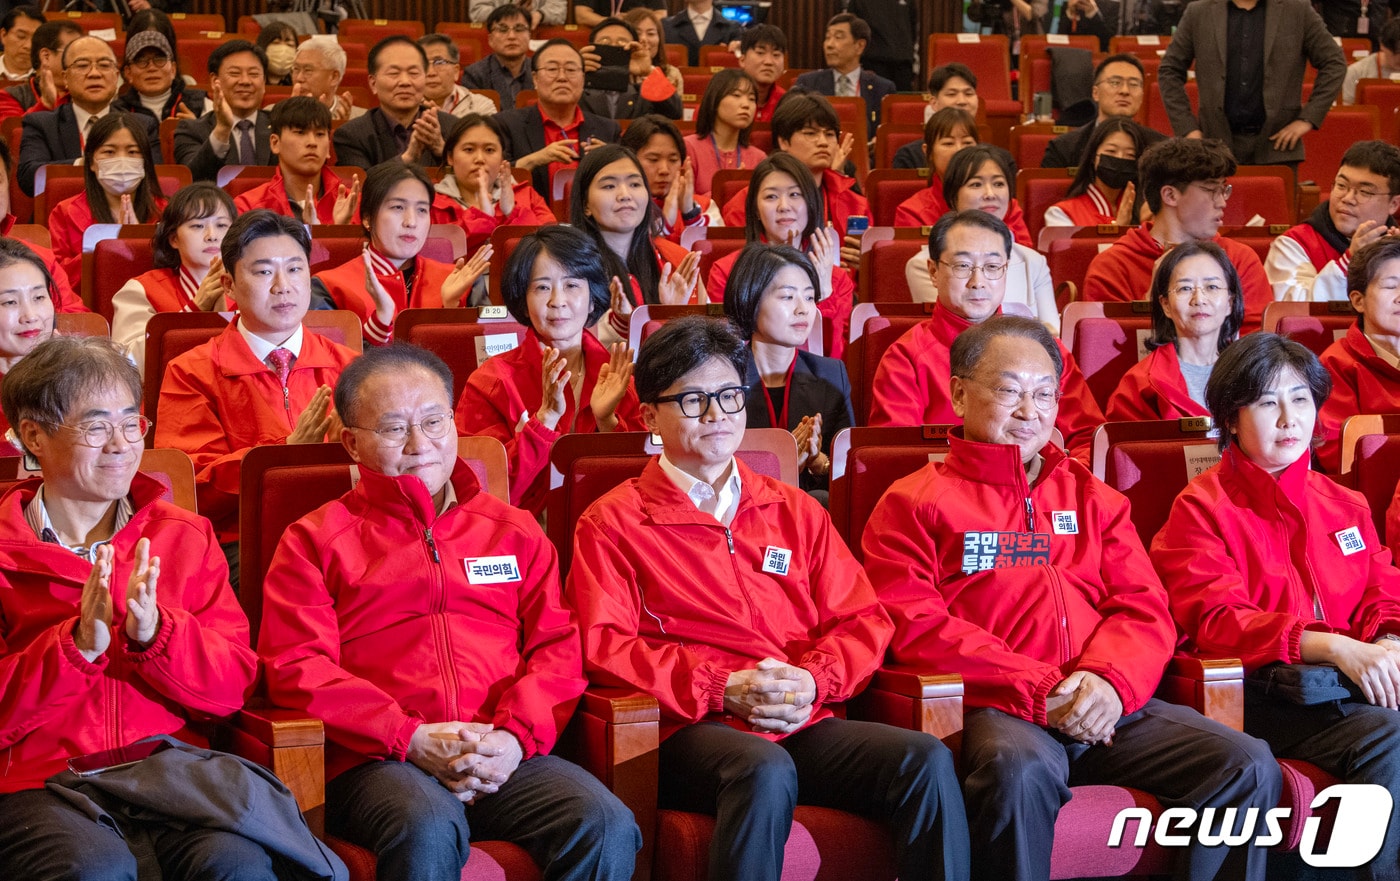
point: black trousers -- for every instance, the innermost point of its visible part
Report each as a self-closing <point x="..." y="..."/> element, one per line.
<point x="568" y="822"/>
<point x="44" y="838"/>
<point x="1357" y="742"/>
<point x="751" y="785"/>
<point x="1019" y="774"/>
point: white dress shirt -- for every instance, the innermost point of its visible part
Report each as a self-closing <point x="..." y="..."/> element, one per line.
<point x="722" y="505"/>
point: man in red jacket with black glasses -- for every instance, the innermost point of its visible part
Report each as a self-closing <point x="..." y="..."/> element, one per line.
<point x="1012" y="565"/>
<point x="420" y="618"/>
<point x="729" y="597"/>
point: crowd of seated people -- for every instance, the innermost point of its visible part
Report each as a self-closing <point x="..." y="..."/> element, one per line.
<point x="579" y="187"/>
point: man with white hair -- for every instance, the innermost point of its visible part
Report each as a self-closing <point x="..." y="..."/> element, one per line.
<point x="317" y="70"/>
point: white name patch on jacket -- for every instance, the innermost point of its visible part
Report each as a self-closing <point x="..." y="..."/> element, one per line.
<point x="1350" y="541"/>
<point x="1065" y="522"/>
<point x="776" y="560"/>
<point x="492" y="570"/>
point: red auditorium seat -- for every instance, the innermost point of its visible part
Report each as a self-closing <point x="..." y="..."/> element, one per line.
<point x="1172" y="451"/>
<point x="1104" y="340"/>
<point x="1035" y="73"/>
<point x="1028" y="143"/>
<point x="1315" y="325"/>
<point x="453" y="335"/>
<point x="1324" y="147"/>
<point x="1371" y="461"/>
<point x="888" y="188"/>
<point x="882" y="278"/>
<point x="1267" y="191"/>
<point x="1037" y="189"/>
<point x="874" y="328"/>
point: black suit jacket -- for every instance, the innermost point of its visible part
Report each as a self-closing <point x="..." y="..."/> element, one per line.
<point x="873" y="88"/>
<point x="721" y="32"/>
<point x="52" y="136"/>
<point x="524" y="128"/>
<point x="631" y="105"/>
<point x="192" y="147"/>
<point x="369" y="140"/>
<point x="819" y="385"/>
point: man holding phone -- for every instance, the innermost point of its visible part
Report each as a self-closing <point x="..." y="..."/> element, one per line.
<point x="555" y="132"/>
<point x="405" y="125"/>
<point x="619" y="80"/>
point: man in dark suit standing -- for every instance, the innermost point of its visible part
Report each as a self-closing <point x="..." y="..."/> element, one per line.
<point x="90" y="76"/>
<point x="699" y="24"/>
<point x="1250" y="57"/>
<point x="405" y="125"/>
<point x="846" y="38"/>
<point x="236" y="131"/>
<point x="556" y="131"/>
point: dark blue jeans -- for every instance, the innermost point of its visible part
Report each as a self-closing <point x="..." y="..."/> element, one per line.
<point x="43" y="838"/>
<point x="1019" y="774"/>
<point x="751" y="785"/>
<point x="557" y="812"/>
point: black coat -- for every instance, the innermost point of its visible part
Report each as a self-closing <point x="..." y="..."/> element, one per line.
<point x="369" y="140"/>
<point x="819" y="385"/>
<point x="192" y="147"/>
<point x="51" y="136"/>
<point x="721" y="32"/>
<point x="524" y="128"/>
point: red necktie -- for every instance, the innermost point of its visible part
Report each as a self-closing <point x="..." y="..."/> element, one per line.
<point x="281" y="362"/>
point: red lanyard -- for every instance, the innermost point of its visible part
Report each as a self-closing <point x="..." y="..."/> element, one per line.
<point x="787" y="397"/>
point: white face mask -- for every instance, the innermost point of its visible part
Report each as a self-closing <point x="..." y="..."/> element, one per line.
<point x="279" y="59"/>
<point x="120" y="175"/>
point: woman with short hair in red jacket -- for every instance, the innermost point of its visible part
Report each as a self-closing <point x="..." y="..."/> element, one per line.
<point x="116" y="620"/>
<point x="560" y="379"/>
<point x="392" y="274"/>
<point x="1268" y="561"/>
<point x="1197" y="309"/>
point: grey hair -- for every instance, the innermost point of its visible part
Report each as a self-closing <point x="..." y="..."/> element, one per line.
<point x="329" y="49"/>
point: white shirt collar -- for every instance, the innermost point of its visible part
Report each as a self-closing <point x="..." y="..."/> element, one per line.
<point x="36" y="514"/>
<point x="699" y="491"/>
<point x="262" y="348"/>
<point x="1383" y="354"/>
<point x="82" y="117"/>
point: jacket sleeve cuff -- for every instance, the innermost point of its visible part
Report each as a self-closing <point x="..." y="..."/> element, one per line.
<point x="377" y="333"/>
<point x="399" y="748"/>
<point x="1344" y="261"/>
<point x="820" y="668"/>
<point x="622" y="324"/>
<point x="69" y="648"/>
<point x="719" y="680"/>
<point x="1041" y="694"/>
<point x="158" y="646"/>
<point x="529" y="748"/>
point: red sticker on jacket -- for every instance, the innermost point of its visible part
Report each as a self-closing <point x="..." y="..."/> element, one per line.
<point x="1004" y="550"/>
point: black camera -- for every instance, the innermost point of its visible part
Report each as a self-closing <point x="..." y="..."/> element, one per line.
<point x="987" y="13"/>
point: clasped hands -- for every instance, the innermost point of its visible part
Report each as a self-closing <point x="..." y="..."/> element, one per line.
<point x="470" y="759"/>
<point x="1083" y="706"/>
<point x="774" y="697"/>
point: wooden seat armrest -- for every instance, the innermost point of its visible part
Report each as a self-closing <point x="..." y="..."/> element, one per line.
<point x="291" y="745"/>
<point x="1214" y="687"/>
<point x="927" y="702"/>
<point x="616" y="735"/>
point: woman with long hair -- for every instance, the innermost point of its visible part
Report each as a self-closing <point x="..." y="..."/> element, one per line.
<point x="784" y="207"/>
<point x="1197" y="309"/>
<point x="1104" y="190"/>
<point x="650" y="35"/>
<point x="612" y="204"/>
<point x="119" y="186"/>
<point x="187" y="266"/>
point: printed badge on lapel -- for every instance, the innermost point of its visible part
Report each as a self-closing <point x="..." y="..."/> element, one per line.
<point x="492" y="570"/>
<point x="776" y="560"/>
<point x="1350" y="541"/>
<point x="1065" y="522"/>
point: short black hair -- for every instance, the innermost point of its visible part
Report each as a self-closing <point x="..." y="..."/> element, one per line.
<point x="259" y="223"/>
<point x="1180" y="162"/>
<point x="1120" y="58"/>
<point x="1366" y="264"/>
<point x="1377" y="157"/>
<point x="763" y="34"/>
<point x="938" y="236"/>
<point x="47" y="36"/>
<point x="797" y="111"/>
<point x="506" y="12"/>
<point x="970" y="345"/>
<point x="572" y="249"/>
<point x="395" y="358"/>
<point x="966" y="163"/>
<point x="272" y="32"/>
<point x="231" y="48"/>
<point x="721" y="85"/>
<point x="393" y="40"/>
<point x="466" y="124"/>
<point x="454" y="54"/>
<point x="859" y="29"/>
<point x="1088" y="171"/>
<point x="611" y="22"/>
<point x="380" y="179"/>
<point x="644" y="128"/>
<point x="682" y="345"/>
<point x="198" y="200"/>
<point x="758" y="264"/>
<point x="778" y="161"/>
<point x="941" y="74"/>
<point x="1248" y="366"/>
<point x="17" y="12"/>
<point x="1163" y="329"/>
<point x="301" y="112"/>
<point x="1390" y="35"/>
